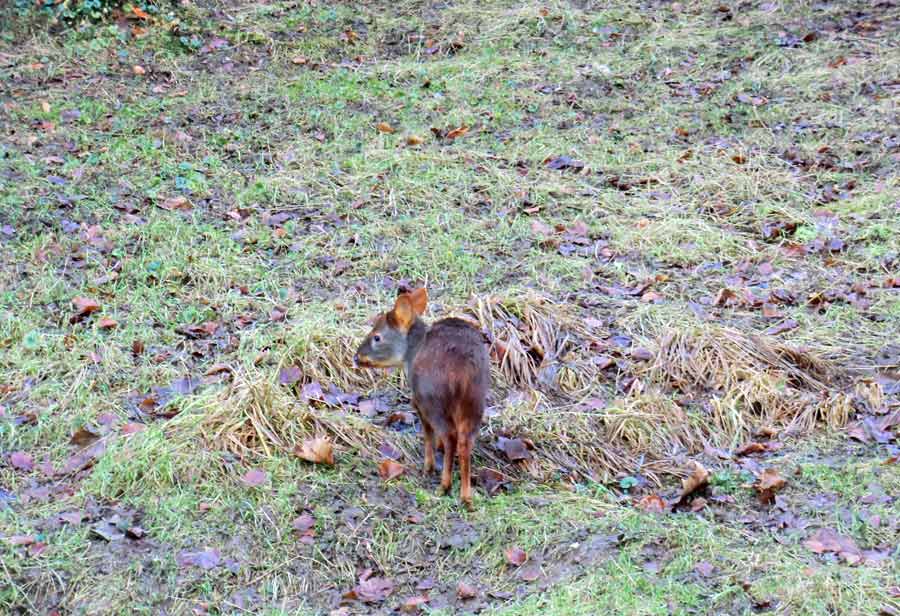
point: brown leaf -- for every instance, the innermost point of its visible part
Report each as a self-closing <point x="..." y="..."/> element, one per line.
<point x="465" y="591"/>
<point x="785" y="326"/>
<point x="21" y="461"/>
<point x="316" y="450"/>
<point x="414" y="140"/>
<point x="255" y="478"/>
<point x="373" y="589"/>
<point x="514" y="448"/>
<point x="83" y="307"/>
<point x="725" y="296"/>
<point x="456" y="133"/>
<point x="412" y="605"/>
<point x="384" y="127"/>
<point x="768" y="483"/>
<point x="698" y="480"/>
<point x="491" y="480"/>
<point x="652" y="503"/>
<point x="107" y="323"/>
<point x="289" y="375"/>
<point x="133" y="428"/>
<point x="827" y="540"/>
<point x="137" y="69"/>
<point x="299" y="60"/>
<point x="388" y="469"/>
<point x="516" y="556"/>
<point x="83" y="437"/>
<point x="530" y="573"/>
<point x="176" y="203"/>
<point x="303" y="523"/>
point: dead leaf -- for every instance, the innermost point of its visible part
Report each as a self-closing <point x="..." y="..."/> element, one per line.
<point x="514" y="448"/>
<point x="176" y="203"/>
<point x="255" y="478"/>
<point x="303" y="523"/>
<point x="827" y="540"/>
<point x="388" y="469"/>
<point x="83" y="307"/>
<point x="133" y="428"/>
<point x="317" y="451"/>
<point x="465" y="591"/>
<point x="107" y="323"/>
<point x="21" y="461"/>
<point x="698" y="480"/>
<point x="516" y="556"/>
<point x="456" y="133"/>
<point x="299" y="60"/>
<point x="137" y="69"/>
<point x="83" y="437"/>
<point x="768" y="483"/>
<point x="785" y="326"/>
<point x="139" y="12"/>
<point x="412" y="605"/>
<point x="289" y="375"/>
<point x="384" y="127"/>
<point x="652" y="503"/>
<point x="205" y="559"/>
<point x="414" y="140"/>
<point x="374" y="589"/>
<point x="530" y="573"/>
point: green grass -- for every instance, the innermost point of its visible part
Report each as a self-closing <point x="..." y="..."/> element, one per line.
<point x="696" y="129"/>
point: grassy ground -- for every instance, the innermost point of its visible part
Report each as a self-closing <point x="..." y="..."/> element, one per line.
<point x="277" y="169"/>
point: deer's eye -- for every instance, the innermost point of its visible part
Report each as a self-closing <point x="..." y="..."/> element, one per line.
<point x="376" y="338"/>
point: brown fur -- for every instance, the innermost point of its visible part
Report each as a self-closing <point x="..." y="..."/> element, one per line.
<point x="448" y="370"/>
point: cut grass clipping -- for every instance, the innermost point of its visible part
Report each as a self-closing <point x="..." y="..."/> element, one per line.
<point x="736" y="384"/>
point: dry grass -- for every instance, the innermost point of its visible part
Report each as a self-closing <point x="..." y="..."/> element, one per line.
<point x="736" y="385"/>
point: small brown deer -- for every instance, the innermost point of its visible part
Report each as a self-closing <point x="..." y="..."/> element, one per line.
<point x="447" y="368"/>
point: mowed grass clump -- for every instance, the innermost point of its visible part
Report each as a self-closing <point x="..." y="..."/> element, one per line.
<point x="675" y="225"/>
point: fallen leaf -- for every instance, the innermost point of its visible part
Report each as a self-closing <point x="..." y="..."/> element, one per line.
<point x="255" y="478"/>
<point x="768" y="483"/>
<point x="21" y="540"/>
<point x="414" y="140"/>
<point x="652" y="503"/>
<point x="530" y="573"/>
<point x="516" y="556"/>
<point x="491" y="480"/>
<point x="412" y="605"/>
<point x="21" y="461"/>
<point x="373" y="589"/>
<point x="107" y="323"/>
<point x="133" y="428"/>
<point x="176" y="203"/>
<point x="317" y="451"/>
<point x="784" y="326"/>
<point x="139" y="12"/>
<point x="384" y="127"/>
<point x="83" y="437"/>
<point x="514" y="448"/>
<point x="456" y="133"/>
<point x="83" y="307"/>
<point x="465" y="591"/>
<point x="289" y="375"/>
<point x="827" y="540"/>
<point x="299" y="60"/>
<point x="388" y="469"/>
<point x="137" y="69"/>
<point x="206" y="559"/>
<point x="698" y="480"/>
<point x="303" y="523"/>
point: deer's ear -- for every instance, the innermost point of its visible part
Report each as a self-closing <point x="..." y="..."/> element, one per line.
<point x="402" y="316"/>
<point x="419" y="300"/>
